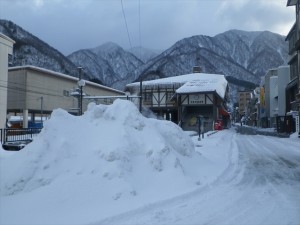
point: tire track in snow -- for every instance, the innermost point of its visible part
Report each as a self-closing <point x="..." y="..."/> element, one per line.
<point x="247" y="192"/>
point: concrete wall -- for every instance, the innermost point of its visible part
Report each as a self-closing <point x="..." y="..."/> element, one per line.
<point x="16" y="98"/>
<point x="6" y="48"/>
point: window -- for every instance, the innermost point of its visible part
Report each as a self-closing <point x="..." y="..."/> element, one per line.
<point x="10" y="59"/>
<point x="169" y="95"/>
<point x="66" y="93"/>
<point x="147" y="97"/>
<point x="293" y="70"/>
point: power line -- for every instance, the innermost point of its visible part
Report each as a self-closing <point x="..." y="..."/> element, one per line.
<point x="22" y="87"/>
<point x="140" y="39"/>
<point x="126" y="24"/>
<point x="15" y="87"/>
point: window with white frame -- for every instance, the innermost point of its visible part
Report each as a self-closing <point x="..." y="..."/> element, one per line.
<point x="147" y="96"/>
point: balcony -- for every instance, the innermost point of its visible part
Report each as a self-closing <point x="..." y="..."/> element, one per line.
<point x="293" y="67"/>
<point x="293" y="38"/>
<point x="297" y="42"/>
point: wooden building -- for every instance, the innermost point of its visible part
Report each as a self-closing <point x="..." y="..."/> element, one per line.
<point x="183" y="99"/>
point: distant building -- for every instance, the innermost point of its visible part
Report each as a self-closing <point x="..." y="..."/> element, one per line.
<point x="273" y="100"/>
<point x="265" y="107"/>
<point x="274" y="95"/>
<point x="253" y="107"/>
<point x="6" y="51"/>
<point x="34" y="91"/>
<point x="184" y="98"/>
<point x="243" y="100"/>
<point x="283" y="73"/>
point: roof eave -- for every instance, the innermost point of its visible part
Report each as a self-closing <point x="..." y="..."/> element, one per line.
<point x="290" y="32"/>
<point x="291" y="2"/>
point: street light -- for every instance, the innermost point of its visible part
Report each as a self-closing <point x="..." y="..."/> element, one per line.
<point x="141" y="94"/>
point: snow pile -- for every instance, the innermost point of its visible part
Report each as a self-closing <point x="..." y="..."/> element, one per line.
<point x="108" y="154"/>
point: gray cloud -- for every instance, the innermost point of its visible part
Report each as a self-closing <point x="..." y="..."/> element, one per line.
<point x="70" y="25"/>
<point x="256" y="15"/>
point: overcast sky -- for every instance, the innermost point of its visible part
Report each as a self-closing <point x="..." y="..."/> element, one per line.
<point x="70" y="25"/>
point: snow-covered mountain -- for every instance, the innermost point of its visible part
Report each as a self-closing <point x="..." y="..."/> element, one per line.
<point x="109" y="63"/>
<point x="237" y="54"/>
<point x="144" y="54"/>
<point x="243" y="57"/>
<point x="30" y="50"/>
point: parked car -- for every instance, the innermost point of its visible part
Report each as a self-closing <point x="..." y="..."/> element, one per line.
<point x="219" y="125"/>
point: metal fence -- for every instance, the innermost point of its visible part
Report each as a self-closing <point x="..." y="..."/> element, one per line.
<point x="16" y="134"/>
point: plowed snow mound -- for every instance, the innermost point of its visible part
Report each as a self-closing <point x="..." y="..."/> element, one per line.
<point x="110" y="152"/>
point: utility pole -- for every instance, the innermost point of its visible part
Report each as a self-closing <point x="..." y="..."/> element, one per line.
<point x="42" y="99"/>
<point x="141" y="94"/>
<point x="81" y="83"/>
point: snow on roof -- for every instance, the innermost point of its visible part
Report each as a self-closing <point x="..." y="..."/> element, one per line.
<point x="7" y="38"/>
<point x="191" y="83"/>
<point x="205" y="83"/>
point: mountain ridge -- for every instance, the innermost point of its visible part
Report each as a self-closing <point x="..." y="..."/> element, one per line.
<point x="240" y="55"/>
<point x="31" y="50"/>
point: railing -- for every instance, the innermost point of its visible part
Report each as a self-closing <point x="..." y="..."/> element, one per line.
<point x="15" y="134"/>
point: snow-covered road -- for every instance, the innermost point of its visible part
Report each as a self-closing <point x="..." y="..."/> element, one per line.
<point x="259" y="185"/>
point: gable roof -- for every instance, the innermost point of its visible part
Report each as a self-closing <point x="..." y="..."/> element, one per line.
<point x="189" y="83"/>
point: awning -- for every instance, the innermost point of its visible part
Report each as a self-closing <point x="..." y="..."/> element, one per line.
<point x="292" y="84"/>
<point x="223" y="112"/>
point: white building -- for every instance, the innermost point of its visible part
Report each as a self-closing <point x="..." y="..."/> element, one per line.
<point x="274" y="104"/>
<point x="273" y="100"/>
<point x="283" y="80"/>
<point x="6" y="50"/>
